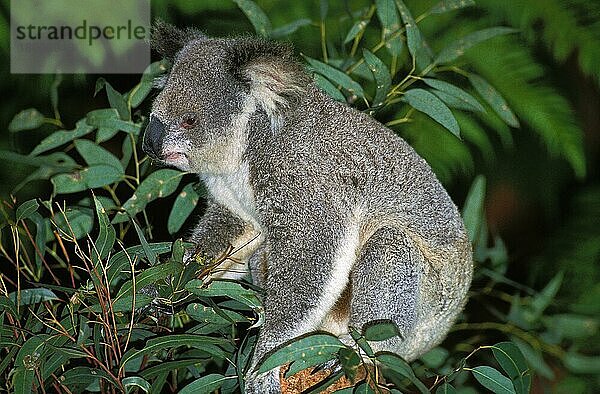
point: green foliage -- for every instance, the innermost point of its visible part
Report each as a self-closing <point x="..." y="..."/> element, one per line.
<point x="493" y="380"/>
<point x="304" y="353"/>
<point x="27" y="119"/>
<point x="568" y="27"/>
<point x="98" y="305"/>
<point x="428" y="103"/>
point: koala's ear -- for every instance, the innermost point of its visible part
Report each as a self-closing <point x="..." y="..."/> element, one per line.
<point x="270" y="71"/>
<point x="168" y="40"/>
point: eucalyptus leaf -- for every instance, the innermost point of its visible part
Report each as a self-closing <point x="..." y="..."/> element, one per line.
<point x="168" y="367"/>
<point x="58" y="356"/>
<point x="42" y="230"/>
<point x="534" y="358"/>
<point x="52" y="164"/>
<point x="380" y="331"/>
<point x="134" y="382"/>
<point x="494" y="99"/>
<point x="398" y="365"/>
<point x="582" y="364"/>
<point x="61" y="137"/>
<point x="572" y="326"/>
<point x="8" y="305"/>
<point x="70" y="352"/>
<point x="454" y="102"/>
<point x="142" y="89"/>
<point x="78" y="379"/>
<point x="22" y="380"/>
<point x="465" y="99"/>
<point x="317" y="347"/>
<point x="357" y="28"/>
<point x="105" y="134"/>
<point x="221" y="288"/>
<point x="543" y="299"/>
<point x="148" y="251"/>
<point x="32" y="296"/>
<point x="120" y="260"/>
<point x="362" y="343"/>
<point x="100" y="84"/>
<point x="172" y="341"/>
<point x="323" y="9"/>
<point x="94" y="154"/>
<point x="58" y="78"/>
<point x="457" y="48"/>
<point x="206" y="314"/>
<point x="109" y="118"/>
<point x="32" y="352"/>
<point x="336" y="76"/>
<point x="383" y="78"/>
<point x="107" y="234"/>
<point x="363" y="388"/>
<point x="472" y="212"/>
<point x="184" y="205"/>
<point x="74" y="221"/>
<point x="88" y="178"/>
<point x="26" y="209"/>
<point x="140" y="92"/>
<point x="493" y="380"/>
<point x="118" y="102"/>
<point x="126" y="304"/>
<point x="151" y="275"/>
<point x="206" y="384"/>
<point x="256" y="16"/>
<point x="290" y="28"/>
<point x="513" y="363"/>
<point x="429" y="104"/>
<point x="450" y="5"/>
<point x="390" y="22"/>
<point x="435" y="358"/>
<point x="28" y="119"/>
<point x="308" y="361"/>
<point x="415" y="41"/>
<point x="127" y="148"/>
<point x="350" y="361"/>
<point x="329" y="88"/>
<point x="161" y="183"/>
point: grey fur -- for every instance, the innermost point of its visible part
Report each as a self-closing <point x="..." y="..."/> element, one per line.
<point x="349" y="223"/>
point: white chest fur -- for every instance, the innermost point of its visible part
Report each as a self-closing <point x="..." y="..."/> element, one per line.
<point x="234" y="192"/>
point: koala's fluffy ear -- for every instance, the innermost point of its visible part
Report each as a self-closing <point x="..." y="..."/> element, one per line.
<point x="269" y="69"/>
<point x="168" y="40"/>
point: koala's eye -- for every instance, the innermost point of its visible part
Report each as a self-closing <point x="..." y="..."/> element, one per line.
<point x="189" y="121"/>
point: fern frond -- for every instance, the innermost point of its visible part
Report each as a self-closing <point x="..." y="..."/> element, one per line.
<point x="574" y="247"/>
<point x="517" y="76"/>
<point x="567" y="27"/>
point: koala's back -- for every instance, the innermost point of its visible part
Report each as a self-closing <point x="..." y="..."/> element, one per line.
<point x="356" y="166"/>
<point x="356" y="160"/>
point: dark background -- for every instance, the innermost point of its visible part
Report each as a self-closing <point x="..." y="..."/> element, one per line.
<point x="548" y="216"/>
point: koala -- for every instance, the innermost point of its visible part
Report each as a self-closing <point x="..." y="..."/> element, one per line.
<point x="335" y="216"/>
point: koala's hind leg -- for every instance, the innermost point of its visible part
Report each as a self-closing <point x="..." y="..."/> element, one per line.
<point x="385" y="286"/>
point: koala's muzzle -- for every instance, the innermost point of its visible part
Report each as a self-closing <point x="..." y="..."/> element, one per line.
<point x="153" y="137"/>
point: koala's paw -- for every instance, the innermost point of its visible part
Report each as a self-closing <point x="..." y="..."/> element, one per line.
<point x="267" y="383"/>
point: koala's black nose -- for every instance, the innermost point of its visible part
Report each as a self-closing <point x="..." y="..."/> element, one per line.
<point x="153" y="137"/>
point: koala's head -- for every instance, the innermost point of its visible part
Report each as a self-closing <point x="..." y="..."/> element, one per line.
<point x="199" y="119"/>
